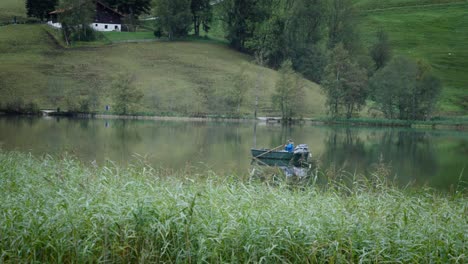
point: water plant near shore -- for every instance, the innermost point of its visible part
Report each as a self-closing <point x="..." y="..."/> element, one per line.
<point x="60" y="210"/>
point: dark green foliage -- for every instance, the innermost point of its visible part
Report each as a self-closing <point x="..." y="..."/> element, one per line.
<point x="280" y="30"/>
<point x="270" y="40"/>
<point x="201" y="15"/>
<point x="342" y="25"/>
<point x="345" y="84"/>
<point x="311" y="62"/>
<point x="134" y="8"/>
<point x="305" y="24"/>
<point x="289" y="93"/>
<point x="131" y="8"/>
<point x="241" y="18"/>
<point x="405" y="89"/>
<point x="126" y="95"/>
<point x="75" y="19"/>
<point x="381" y="51"/>
<point x="40" y="8"/>
<point x="305" y="29"/>
<point x="19" y="106"/>
<point x="158" y="33"/>
<point x="174" y="17"/>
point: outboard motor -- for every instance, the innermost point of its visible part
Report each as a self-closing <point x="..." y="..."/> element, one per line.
<point x="301" y="152"/>
<point x="301" y="148"/>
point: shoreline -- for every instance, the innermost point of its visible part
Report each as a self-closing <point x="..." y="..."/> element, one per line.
<point x="450" y="124"/>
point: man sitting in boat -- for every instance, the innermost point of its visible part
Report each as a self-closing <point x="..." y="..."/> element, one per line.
<point x="289" y="146"/>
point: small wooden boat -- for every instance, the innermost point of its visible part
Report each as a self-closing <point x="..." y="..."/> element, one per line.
<point x="300" y="154"/>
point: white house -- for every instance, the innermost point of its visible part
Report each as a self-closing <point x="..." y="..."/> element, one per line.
<point x="106" y="18"/>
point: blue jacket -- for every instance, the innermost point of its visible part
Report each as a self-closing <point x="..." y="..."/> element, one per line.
<point x="289" y="147"/>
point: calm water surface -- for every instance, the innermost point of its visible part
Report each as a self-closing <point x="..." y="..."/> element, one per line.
<point x="435" y="158"/>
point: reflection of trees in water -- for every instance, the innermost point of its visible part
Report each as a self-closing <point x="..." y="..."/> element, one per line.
<point x="286" y="132"/>
<point x="127" y="135"/>
<point x="344" y="149"/>
<point x="409" y="154"/>
<point x="21" y="121"/>
<point x="462" y="148"/>
<point x="127" y="132"/>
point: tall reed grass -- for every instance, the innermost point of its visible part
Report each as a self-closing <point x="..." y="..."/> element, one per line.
<point x="59" y="210"/>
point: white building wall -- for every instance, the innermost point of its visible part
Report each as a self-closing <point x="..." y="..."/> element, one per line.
<point x="106" y="27"/>
<point x="55" y="25"/>
<point x="95" y="26"/>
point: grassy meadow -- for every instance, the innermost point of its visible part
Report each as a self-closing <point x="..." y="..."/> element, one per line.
<point x="58" y="210"/>
<point x="383" y="4"/>
<point x="10" y="9"/>
<point x="174" y="76"/>
<point x="436" y="34"/>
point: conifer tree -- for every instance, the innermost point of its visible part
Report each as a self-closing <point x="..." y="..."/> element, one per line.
<point x="40" y="8"/>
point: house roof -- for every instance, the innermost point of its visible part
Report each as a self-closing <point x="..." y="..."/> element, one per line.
<point x="59" y="11"/>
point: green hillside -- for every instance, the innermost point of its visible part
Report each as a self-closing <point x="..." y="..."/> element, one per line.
<point x="175" y="77"/>
<point x="384" y="4"/>
<point x="436" y="33"/>
<point x="10" y="9"/>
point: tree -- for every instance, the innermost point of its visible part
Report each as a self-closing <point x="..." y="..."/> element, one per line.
<point x="241" y="17"/>
<point x="201" y="15"/>
<point x="311" y="62"/>
<point x="405" y="89"/>
<point x="76" y="18"/>
<point x="174" y="17"/>
<point x="289" y="92"/>
<point x="342" y="25"/>
<point x="126" y="95"/>
<point x="345" y="83"/>
<point x="40" y="8"/>
<point x="305" y="24"/>
<point x="235" y="97"/>
<point x="381" y="51"/>
<point x="132" y="8"/>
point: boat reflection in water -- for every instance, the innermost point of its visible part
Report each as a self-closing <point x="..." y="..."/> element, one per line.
<point x="277" y="170"/>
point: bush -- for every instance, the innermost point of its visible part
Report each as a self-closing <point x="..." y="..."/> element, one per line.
<point x="405" y="89"/>
<point x="15" y="106"/>
<point x="31" y="108"/>
<point x="158" y="33"/>
<point x="86" y="34"/>
<point x="18" y="106"/>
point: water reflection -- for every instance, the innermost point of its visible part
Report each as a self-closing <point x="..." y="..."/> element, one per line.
<point x="268" y="170"/>
<point x="408" y="151"/>
<point x="436" y="158"/>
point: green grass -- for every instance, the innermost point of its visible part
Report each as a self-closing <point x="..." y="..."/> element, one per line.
<point x="435" y="34"/>
<point x="12" y="8"/>
<point x="170" y="74"/>
<point x="125" y="36"/>
<point x="59" y="210"/>
<point x="382" y="4"/>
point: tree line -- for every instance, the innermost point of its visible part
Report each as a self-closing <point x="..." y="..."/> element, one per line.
<point x="314" y="39"/>
<point x="320" y="40"/>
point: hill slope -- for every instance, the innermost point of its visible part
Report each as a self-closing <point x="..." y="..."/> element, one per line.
<point x="10" y="9"/>
<point x="434" y="32"/>
<point x="175" y="77"/>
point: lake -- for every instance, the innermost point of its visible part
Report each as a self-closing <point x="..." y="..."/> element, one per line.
<point x="434" y="158"/>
